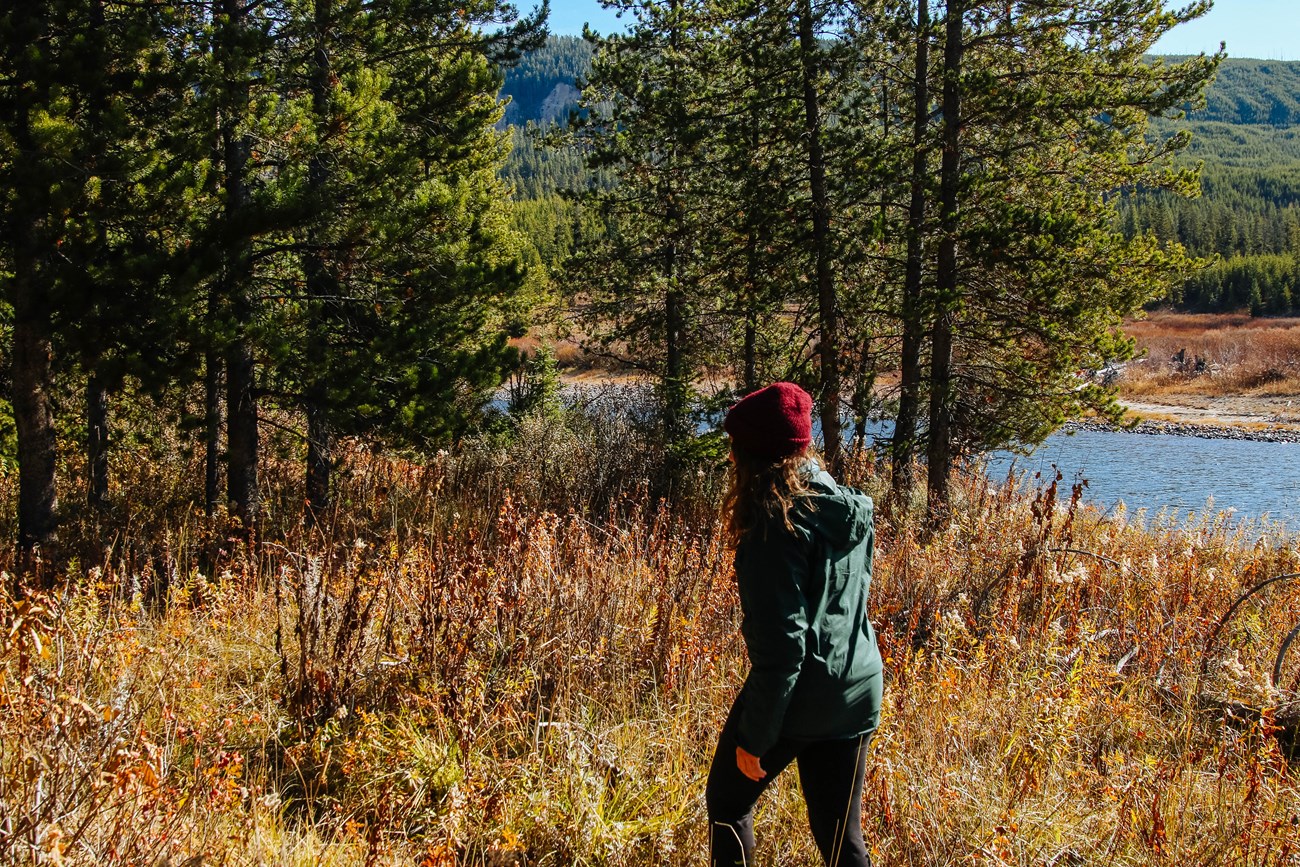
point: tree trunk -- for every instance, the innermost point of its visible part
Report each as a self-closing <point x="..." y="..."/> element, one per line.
<point x="320" y="284"/>
<point x="752" y="269"/>
<point x="96" y="390"/>
<point x="864" y="386"/>
<point x="32" y="376"/>
<point x="33" y="414"/>
<point x="97" y="441"/>
<point x="241" y="395"/>
<point x="675" y="408"/>
<point x="241" y="432"/>
<point x="750" y="382"/>
<point x="320" y="461"/>
<point x="904" y="445"/>
<point x="939" y="456"/>
<point x="827" y="302"/>
<point x="211" y="431"/>
<point x="675" y="374"/>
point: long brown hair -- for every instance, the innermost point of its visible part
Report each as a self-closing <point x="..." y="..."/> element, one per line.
<point x="761" y="489"/>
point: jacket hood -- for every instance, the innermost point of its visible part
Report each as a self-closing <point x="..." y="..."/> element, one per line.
<point x="840" y="515"/>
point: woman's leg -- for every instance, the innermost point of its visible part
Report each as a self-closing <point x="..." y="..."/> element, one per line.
<point x="731" y="796"/>
<point x="832" y="774"/>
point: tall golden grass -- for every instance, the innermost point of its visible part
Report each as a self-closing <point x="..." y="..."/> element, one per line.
<point x="1214" y="354"/>
<point x="453" y="670"/>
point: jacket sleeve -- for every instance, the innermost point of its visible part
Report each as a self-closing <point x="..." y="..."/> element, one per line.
<point x="771" y="575"/>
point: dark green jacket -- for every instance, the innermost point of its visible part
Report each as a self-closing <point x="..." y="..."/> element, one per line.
<point x="815" y="671"/>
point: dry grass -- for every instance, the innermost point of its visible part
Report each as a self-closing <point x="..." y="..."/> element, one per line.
<point x="1213" y="355"/>
<point x="446" y="674"/>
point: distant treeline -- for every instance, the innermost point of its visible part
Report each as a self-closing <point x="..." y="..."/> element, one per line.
<point x="542" y="91"/>
<point x="1247" y="218"/>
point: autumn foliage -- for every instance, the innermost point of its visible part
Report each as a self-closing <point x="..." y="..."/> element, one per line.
<point x="448" y="672"/>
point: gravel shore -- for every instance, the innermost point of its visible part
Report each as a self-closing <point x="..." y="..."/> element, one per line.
<point x="1187" y="429"/>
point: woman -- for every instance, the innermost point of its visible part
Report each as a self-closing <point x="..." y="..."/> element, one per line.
<point x="803" y="567"/>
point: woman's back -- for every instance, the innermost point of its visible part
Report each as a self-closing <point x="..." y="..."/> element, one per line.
<point x="817" y="579"/>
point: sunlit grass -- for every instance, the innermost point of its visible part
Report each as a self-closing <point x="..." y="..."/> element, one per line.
<point x="1213" y="355"/>
<point x="445" y="674"/>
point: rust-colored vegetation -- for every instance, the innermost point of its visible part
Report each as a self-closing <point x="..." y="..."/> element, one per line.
<point x="515" y="655"/>
<point x="1213" y="355"/>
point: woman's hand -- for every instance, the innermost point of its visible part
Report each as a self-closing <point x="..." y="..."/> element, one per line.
<point x="748" y="764"/>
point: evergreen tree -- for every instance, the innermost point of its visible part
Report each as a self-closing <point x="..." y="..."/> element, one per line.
<point x="913" y="304"/>
<point x="648" y="126"/>
<point x="1046" y="116"/>
<point x="755" y="242"/>
<point x="399" y="336"/>
<point x="37" y="144"/>
<point x="87" y="177"/>
<point x="237" y="84"/>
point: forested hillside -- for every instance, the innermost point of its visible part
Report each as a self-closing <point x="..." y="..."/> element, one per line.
<point x="1265" y="92"/>
<point x="541" y="91"/>
<point x="1248" y="216"/>
<point x="545" y="83"/>
<point x="1247" y="136"/>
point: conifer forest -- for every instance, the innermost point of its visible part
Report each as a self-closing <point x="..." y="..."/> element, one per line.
<point x="360" y="461"/>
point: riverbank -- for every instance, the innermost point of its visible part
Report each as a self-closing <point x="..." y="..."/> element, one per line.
<point x="1211" y="427"/>
<point x="1231" y="375"/>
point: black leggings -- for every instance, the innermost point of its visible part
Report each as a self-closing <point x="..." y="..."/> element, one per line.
<point x="831" y="774"/>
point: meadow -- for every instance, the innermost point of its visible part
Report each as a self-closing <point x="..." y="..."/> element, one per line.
<point x="1210" y="355"/>
<point x="519" y="653"/>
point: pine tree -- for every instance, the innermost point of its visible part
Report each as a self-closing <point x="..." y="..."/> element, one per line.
<point x="1049" y="116"/>
<point x="913" y="303"/>
<point x="239" y="52"/>
<point x="87" y="177"/>
<point x="36" y="188"/>
<point x="122" y="296"/>
<point x="647" y="126"/>
<point x="402" y="255"/>
<point x="755" y="242"/>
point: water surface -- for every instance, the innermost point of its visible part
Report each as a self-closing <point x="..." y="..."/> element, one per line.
<point x="1178" y="473"/>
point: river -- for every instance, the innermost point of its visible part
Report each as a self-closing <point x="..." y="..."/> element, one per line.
<point x="1181" y="474"/>
<point x="1154" y="473"/>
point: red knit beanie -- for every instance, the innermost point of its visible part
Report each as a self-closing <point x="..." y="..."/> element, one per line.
<point x="773" y="422"/>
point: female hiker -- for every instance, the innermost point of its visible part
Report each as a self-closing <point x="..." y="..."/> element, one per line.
<point x="803" y="567"/>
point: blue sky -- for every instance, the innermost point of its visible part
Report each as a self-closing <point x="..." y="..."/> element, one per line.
<point x="1252" y="28"/>
<point x="568" y="16"/>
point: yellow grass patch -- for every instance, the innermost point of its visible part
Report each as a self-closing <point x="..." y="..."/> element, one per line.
<point x="444" y="675"/>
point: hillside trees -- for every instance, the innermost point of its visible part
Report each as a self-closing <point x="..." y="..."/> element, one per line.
<point x="1248" y="215"/>
<point x="544" y="85"/>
